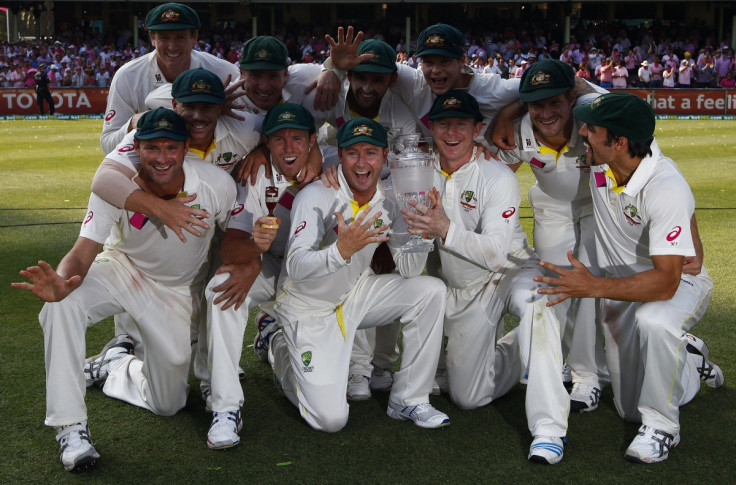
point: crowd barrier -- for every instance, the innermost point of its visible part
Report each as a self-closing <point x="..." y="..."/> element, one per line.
<point x="74" y="103"/>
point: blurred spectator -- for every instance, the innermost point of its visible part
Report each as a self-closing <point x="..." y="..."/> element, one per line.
<point x="656" y="69"/>
<point x="728" y="81"/>
<point x="644" y="75"/>
<point x="684" y="74"/>
<point x="669" y="76"/>
<point x="620" y="75"/>
<point x="583" y="71"/>
<point x="43" y="93"/>
<point x="706" y="73"/>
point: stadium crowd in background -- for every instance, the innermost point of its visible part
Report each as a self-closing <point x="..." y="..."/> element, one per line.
<point x="85" y="57"/>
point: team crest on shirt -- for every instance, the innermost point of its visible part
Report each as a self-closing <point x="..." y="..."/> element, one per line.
<point x="632" y="215"/>
<point x="529" y="142"/>
<point x="159" y="78"/>
<point x="306" y="360"/>
<point x="540" y="78"/>
<point x="468" y="200"/>
<point x="226" y="160"/>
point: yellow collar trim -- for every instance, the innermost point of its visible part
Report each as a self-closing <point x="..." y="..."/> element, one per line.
<point x="545" y="150"/>
<point x="615" y="187"/>
<point x="204" y="154"/>
<point x="356" y="207"/>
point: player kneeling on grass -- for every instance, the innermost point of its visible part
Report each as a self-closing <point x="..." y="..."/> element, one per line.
<point x="643" y="209"/>
<point x="252" y="253"/>
<point x="328" y="291"/>
<point x="488" y="268"/>
<point x="145" y="271"/>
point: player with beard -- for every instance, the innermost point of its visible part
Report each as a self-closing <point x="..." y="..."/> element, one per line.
<point x="643" y="211"/>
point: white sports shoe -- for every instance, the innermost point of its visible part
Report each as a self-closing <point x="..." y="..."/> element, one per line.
<point x="224" y="430"/>
<point x="423" y="415"/>
<point x="358" y="389"/>
<point x="97" y="368"/>
<point x="584" y="398"/>
<point x="546" y="449"/>
<point x="382" y="380"/>
<point x="651" y="445"/>
<point x="440" y="385"/>
<point x="77" y="452"/>
<point x="266" y="325"/>
<point x="709" y="372"/>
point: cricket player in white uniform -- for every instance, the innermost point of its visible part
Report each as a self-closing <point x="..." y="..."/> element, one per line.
<point x="328" y="291"/>
<point x="547" y="139"/>
<point x="367" y="92"/>
<point x="441" y="49"/>
<point x="488" y="267"/>
<point x="289" y="132"/>
<point x="174" y="29"/>
<point x="643" y="211"/>
<point x="144" y="271"/>
<point x="199" y="97"/>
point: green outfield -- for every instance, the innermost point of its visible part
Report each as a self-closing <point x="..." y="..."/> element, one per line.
<point x="45" y="173"/>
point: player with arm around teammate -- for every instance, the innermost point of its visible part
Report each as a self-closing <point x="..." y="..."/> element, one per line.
<point x="328" y="291"/>
<point x="174" y="29"/>
<point x="252" y="254"/>
<point x="547" y="139"/>
<point x="488" y="268"/>
<point x="643" y="209"/>
<point x="141" y="266"/>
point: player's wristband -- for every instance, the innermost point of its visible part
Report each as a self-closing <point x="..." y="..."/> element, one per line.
<point x="327" y="66"/>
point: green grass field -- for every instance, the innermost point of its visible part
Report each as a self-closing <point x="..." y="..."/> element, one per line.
<point x="46" y="168"/>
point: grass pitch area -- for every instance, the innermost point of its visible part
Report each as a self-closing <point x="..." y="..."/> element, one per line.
<point x="46" y="168"/>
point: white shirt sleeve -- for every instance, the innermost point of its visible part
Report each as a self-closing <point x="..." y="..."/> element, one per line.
<point x="499" y="218"/>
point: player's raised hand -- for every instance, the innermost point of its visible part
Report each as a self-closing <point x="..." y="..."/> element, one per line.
<point x="430" y="220"/>
<point x="360" y="233"/>
<point x="232" y="93"/>
<point x="248" y="167"/>
<point x="236" y="288"/>
<point x="577" y="282"/>
<point x="344" y="52"/>
<point x="46" y="284"/>
<point x="264" y="232"/>
<point x="179" y="217"/>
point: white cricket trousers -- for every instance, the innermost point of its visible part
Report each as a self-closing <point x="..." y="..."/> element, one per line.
<point x="225" y="330"/>
<point x="481" y="368"/>
<point x="646" y="351"/>
<point x="559" y="227"/>
<point x="163" y="316"/>
<point x="311" y="356"/>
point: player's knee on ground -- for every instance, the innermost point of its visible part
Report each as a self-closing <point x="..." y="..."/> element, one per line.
<point x="324" y="409"/>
